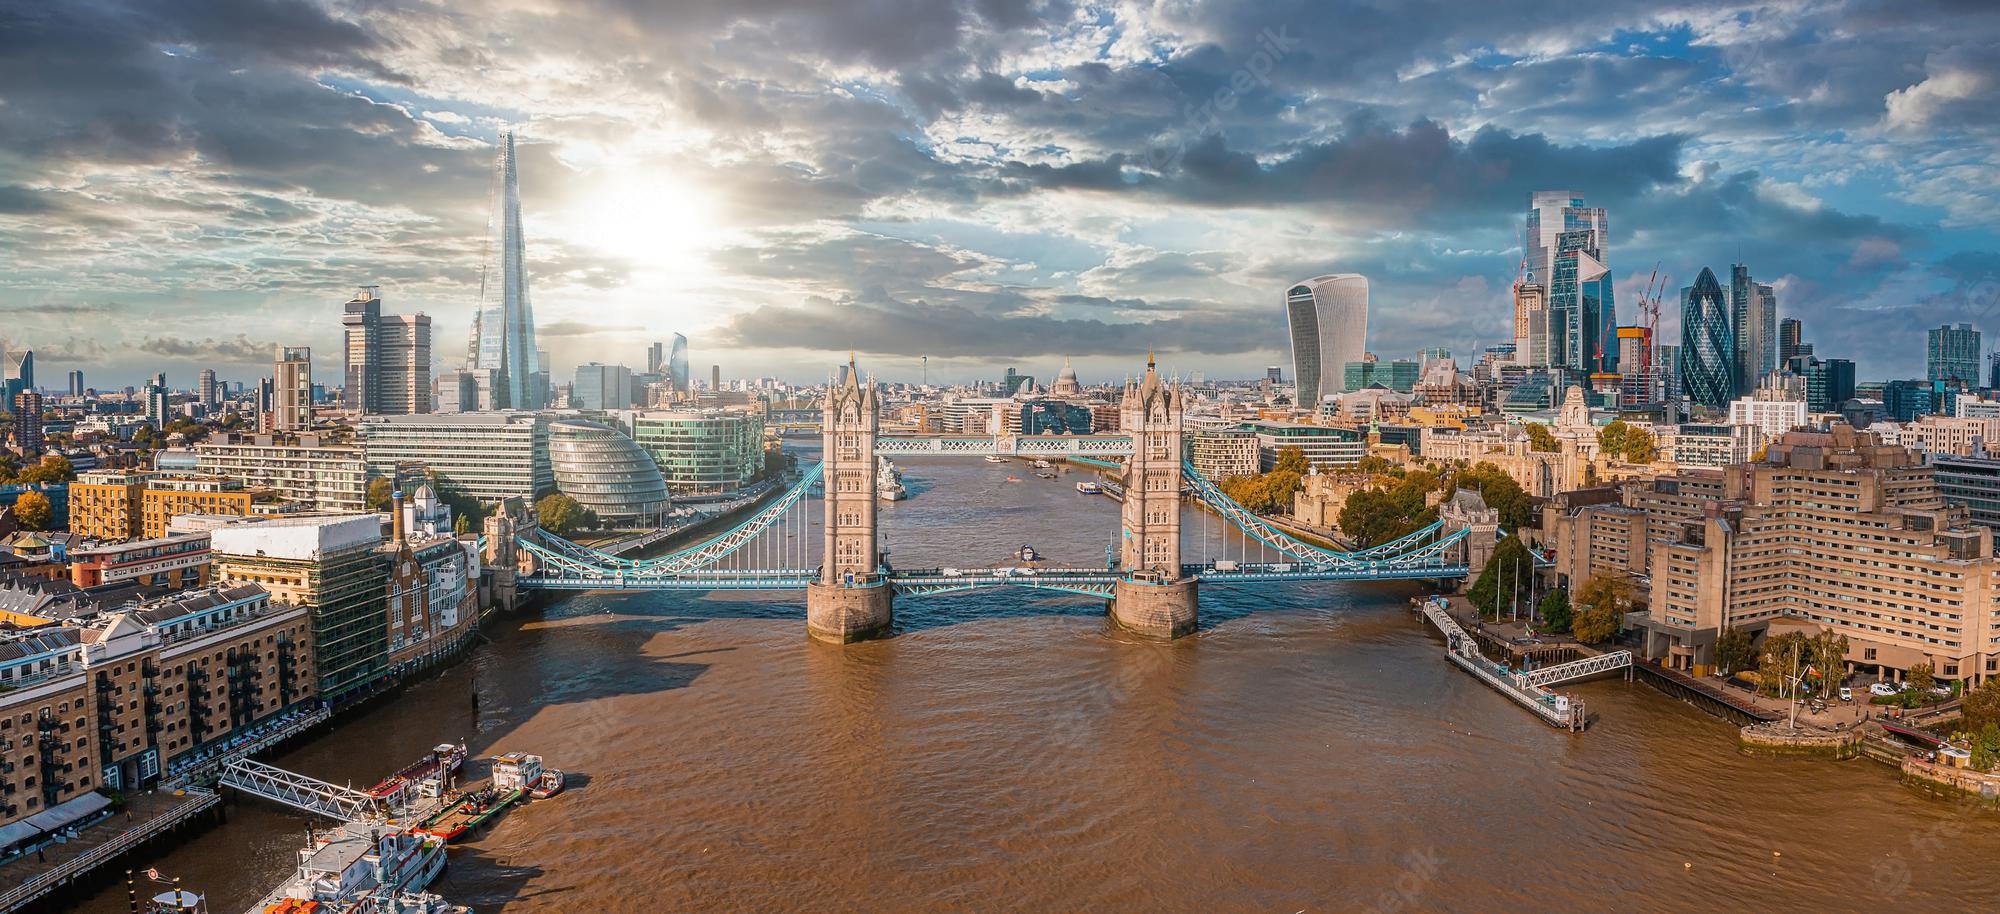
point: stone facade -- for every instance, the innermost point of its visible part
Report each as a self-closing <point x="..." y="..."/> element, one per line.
<point x="851" y="600"/>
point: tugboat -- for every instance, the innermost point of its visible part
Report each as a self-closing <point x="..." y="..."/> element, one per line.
<point x="551" y="783"/>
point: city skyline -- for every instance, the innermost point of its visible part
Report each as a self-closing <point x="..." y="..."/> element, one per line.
<point x="1006" y="187"/>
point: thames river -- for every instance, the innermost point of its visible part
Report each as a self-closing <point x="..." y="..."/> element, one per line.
<point x="1308" y="750"/>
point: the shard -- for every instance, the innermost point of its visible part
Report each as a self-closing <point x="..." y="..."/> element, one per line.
<point x="503" y="329"/>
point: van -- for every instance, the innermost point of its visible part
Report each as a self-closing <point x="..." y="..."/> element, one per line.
<point x="1846" y="694"/>
<point x="1226" y="565"/>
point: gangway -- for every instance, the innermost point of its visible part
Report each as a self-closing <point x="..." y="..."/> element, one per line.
<point x="300" y="792"/>
<point x="1576" y="669"/>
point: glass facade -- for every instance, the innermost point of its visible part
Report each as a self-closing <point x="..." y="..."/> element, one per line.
<point x="607" y="473"/>
<point x="503" y="328"/>
<point x="1953" y="355"/>
<point x="1582" y="313"/>
<point x="1054" y="417"/>
<point x="702" y="454"/>
<point x="1708" y="349"/>
<point x="1328" y="317"/>
<point x="488" y="456"/>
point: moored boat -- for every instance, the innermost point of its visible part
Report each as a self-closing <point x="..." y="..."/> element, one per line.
<point x="552" y="782"/>
<point x="1088" y="488"/>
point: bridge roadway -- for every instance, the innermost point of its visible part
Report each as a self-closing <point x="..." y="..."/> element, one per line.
<point x="929" y="581"/>
<point x="1004" y="445"/>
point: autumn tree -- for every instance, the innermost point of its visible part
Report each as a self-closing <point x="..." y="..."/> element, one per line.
<point x="1922" y="677"/>
<point x="1601" y="607"/>
<point x="560" y="514"/>
<point x="379" y="494"/>
<point x="1782" y="663"/>
<point x="1982" y="705"/>
<point x="33" y="511"/>
<point x="1828" y="651"/>
<point x="1540" y="438"/>
<point x="1640" y="446"/>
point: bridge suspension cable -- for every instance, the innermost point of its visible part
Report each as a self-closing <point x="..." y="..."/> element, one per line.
<point x="564" y="554"/>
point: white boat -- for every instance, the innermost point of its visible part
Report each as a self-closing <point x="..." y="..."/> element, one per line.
<point x="1043" y="465"/>
<point x="363" y="866"/>
<point x="1088" y="488"/>
<point x="995" y="458"/>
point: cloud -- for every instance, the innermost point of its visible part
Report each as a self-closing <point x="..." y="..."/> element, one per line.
<point x="239" y="349"/>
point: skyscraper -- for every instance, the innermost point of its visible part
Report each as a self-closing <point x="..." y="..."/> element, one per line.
<point x="1565" y="248"/>
<point x="20" y="372"/>
<point x="1531" y="324"/>
<point x="656" y="358"/>
<point x="1551" y="213"/>
<point x="1790" y="333"/>
<point x="76" y="382"/>
<point x="1708" y="349"/>
<point x="677" y="365"/>
<point x="1753" y="317"/>
<point x="600" y="386"/>
<point x="503" y="329"/>
<point x="1954" y="354"/>
<point x="1328" y="317"/>
<point x="28" y="422"/>
<point x="204" y="388"/>
<point x="388" y="358"/>
<point x="291" y="390"/>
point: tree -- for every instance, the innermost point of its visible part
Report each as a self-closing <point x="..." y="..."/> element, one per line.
<point x="1555" y="611"/>
<point x="1382" y="513"/>
<point x="1541" y="439"/>
<point x="1734" y="650"/>
<point x="1502" y="493"/>
<point x="1508" y="577"/>
<point x="560" y="514"/>
<point x="379" y="494"/>
<point x="1982" y="705"/>
<point x="1611" y="438"/>
<point x="1601" y="608"/>
<point x="460" y="525"/>
<point x="1640" y="446"/>
<point x="54" y="468"/>
<point x="33" y="511"/>
<point x="1783" y="662"/>
<point x="1922" y="677"/>
<point x="1828" y="651"/>
<point x="1291" y="459"/>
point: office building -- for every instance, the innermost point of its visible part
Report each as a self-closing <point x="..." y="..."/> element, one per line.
<point x="28" y="422"/>
<point x="1667" y="367"/>
<point x="1328" y="320"/>
<point x="388" y="358"/>
<point x="1791" y="341"/>
<point x="1550" y="214"/>
<point x="1953" y="355"/>
<point x="1639" y="382"/>
<point x="20" y="372"/>
<point x="715" y="377"/>
<point x="1753" y="315"/>
<point x="205" y="390"/>
<point x="1582" y="314"/>
<point x="159" y="402"/>
<point x="1221" y="453"/>
<point x="1972" y="483"/>
<point x="329" y="565"/>
<point x="486" y="456"/>
<point x="677" y="365"/>
<point x="167" y="497"/>
<point x="503" y="328"/>
<point x="1400" y="375"/>
<point x="1708" y="348"/>
<point x="76" y="387"/>
<point x="600" y="387"/>
<point x="177" y="561"/>
<point x="1323" y="446"/>
<point x="1710" y="445"/>
<point x="701" y="454"/>
<point x="292" y="391"/>
<point x="656" y="358"/>
<point x="607" y="474"/>
<point x="1772" y="418"/>
<point x="301" y="469"/>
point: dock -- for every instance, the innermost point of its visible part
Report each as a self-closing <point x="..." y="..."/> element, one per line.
<point x="97" y="846"/>
<point x="1527" y="688"/>
<point x="1707" y="696"/>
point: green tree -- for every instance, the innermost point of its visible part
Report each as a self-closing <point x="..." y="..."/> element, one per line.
<point x="1502" y="493"/>
<point x="1922" y="677"/>
<point x="1508" y="577"/>
<point x="460" y="525"/>
<point x="1601" y="608"/>
<point x="1783" y="663"/>
<point x="1982" y="705"/>
<point x="1382" y="513"/>
<point x="560" y="514"/>
<point x="1640" y="446"/>
<point x="52" y="469"/>
<point x="1540" y="438"/>
<point x="1611" y="438"/>
<point x="33" y="511"/>
<point x="379" y="494"/>
<point x="1828" y="651"/>
<point x="1555" y="611"/>
<point x="1291" y="459"/>
<point x="1734" y="650"/>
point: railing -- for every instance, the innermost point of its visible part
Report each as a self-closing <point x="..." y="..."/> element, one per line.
<point x="19" y="896"/>
<point x="1576" y="669"/>
<point x="300" y="792"/>
<point x="1005" y="445"/>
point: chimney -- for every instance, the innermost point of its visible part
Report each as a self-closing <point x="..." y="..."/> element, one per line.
<point x="396" y="514"/>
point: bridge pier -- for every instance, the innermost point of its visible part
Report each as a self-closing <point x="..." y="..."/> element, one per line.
<point x="841" y="614"/>
<point x="1156" y="609"/>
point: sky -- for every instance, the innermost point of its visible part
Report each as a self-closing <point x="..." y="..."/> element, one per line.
<point x="984" y="182"/>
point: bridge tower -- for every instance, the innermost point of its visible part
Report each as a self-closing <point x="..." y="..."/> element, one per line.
<point x="851" y="600"/>
<point x="1153" y="597"/>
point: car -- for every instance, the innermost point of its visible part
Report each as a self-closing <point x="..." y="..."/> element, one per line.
<point x="1941" y="691"/>
<point x="1883" y="689"/>
<point x="1846" y="694"/>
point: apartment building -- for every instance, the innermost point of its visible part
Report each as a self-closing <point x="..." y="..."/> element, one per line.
<point x="330" y="565"/>
<point x="303" y="468"/>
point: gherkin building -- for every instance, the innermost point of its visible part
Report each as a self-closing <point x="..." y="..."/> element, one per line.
<point x="1708" y="343"/>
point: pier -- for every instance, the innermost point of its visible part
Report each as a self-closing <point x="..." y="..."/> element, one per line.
<point x="1529" y="689"/>
<point x="97" y="846"/>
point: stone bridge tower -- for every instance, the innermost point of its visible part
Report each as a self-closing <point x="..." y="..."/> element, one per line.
<point x="851" y="600"/>
<point x="1152" y="597"/>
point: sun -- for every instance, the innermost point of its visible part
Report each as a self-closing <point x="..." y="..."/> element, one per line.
<point x="661" y="226"/>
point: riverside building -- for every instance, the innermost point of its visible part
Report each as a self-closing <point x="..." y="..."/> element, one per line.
<point x="490" y="456"/>
<point x="701" y="454"/>
<point x="298" y="468"/>
<point x="328" y="564"/>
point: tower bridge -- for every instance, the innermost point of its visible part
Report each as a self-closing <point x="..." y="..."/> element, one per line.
<point x="1149" y="586"/>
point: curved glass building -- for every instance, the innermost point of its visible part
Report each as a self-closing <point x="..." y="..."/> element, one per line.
<point x="1328" y="316"/>
<point x="607" y="473"/>
<point x="1708" y="343"/>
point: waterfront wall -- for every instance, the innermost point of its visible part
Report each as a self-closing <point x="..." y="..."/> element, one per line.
<point x="1945" y="779"/>
<point x="1777" y="739"/>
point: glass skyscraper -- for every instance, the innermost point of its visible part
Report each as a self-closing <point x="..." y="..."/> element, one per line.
<point x="1708" y="347"/>
<point x="677" y="365"/>
<point x="1565" y="248"/>
<point x="503" y="329"/>
<point x="1953" y="355"/>
<point x="1328" y="317"/>
<point x="1753" y="316"/>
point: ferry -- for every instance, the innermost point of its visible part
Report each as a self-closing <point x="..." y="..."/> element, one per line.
<point x="428" y="775"/>
<point x="363" y="866"/>
<point x="1088" y="488"/>
<point x="995" y="458"/>
<point x="889" y="481"/>
<point x="513" y="775"/>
